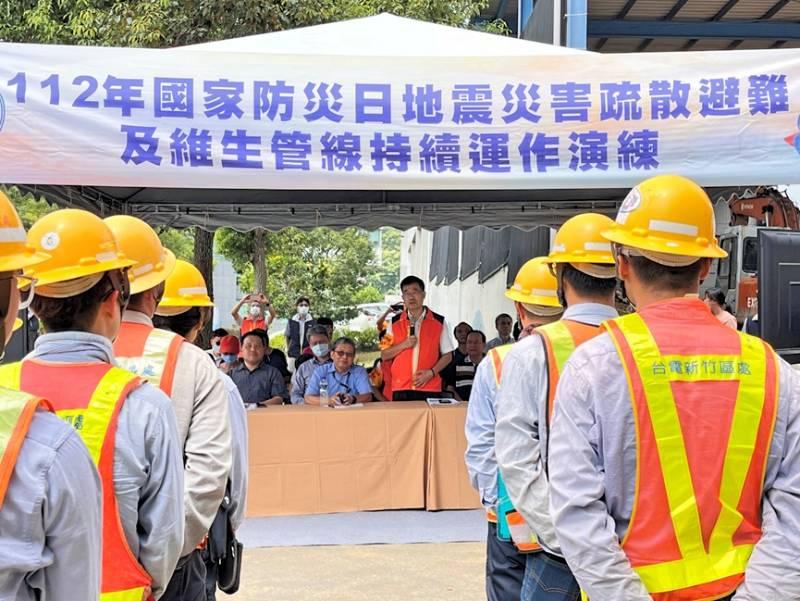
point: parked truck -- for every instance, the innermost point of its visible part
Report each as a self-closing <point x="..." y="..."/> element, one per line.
<point x="737" y="275"/>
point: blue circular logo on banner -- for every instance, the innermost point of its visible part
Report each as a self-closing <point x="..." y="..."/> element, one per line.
<point x="2" y="112"/>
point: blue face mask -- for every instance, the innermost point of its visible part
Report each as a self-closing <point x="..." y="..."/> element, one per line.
<point x="229" y="358"/>
<point x="320" y="350"/>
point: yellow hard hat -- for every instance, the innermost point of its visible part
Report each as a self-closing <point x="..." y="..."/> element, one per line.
<point x="79" y="244"/>
<point x="667" y="214"/>
<point x="185" y="288"/>
<point x="140" y="243"/>
<point x="580" y="240"/>
<point x="15" y="252"/>
<point x="535" y="285"/>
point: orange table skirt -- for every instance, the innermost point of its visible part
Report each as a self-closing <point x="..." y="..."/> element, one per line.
<point x="306" y="460"/>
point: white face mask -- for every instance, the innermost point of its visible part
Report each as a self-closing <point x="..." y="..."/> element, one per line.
<point x="302" y="310"/>
<point x="215" y="347"/>
<point x="255" y="311"/>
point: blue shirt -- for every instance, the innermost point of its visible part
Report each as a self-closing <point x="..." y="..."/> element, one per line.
<point x="354" y="381"/>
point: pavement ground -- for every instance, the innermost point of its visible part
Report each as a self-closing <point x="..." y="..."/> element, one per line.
<point x="409" y="572"/>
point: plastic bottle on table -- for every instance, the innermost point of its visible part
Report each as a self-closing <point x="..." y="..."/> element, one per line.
<point x="323" y="394"/>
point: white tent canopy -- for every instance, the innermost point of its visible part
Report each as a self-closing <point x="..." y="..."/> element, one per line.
<point x="521" y="163"/>
<point x="385" y="35"/>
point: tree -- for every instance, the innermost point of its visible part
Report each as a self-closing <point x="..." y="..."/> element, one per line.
<point x="386" y="277"/>
<point x="29" y="207"/>
<point x="168" y="23"/>
<point x="330" y="267"/>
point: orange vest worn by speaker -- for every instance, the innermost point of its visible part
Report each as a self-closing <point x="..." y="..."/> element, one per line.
<point x="704" y="423"/>
<point x="16" y="414"/>
<point x="148" y="352"/>
<point x="423" y="356"/>
<point x="89" y="397"/>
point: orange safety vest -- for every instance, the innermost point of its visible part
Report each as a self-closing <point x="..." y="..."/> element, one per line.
<point x="91" y="404"/>
<point x="560" y="339"/>
<point x="249" y="324"/>
<point x="16" y="414"/>
<point x="148" y="352"/>
<point x="704" y="425"/>
<point x="423" y="356"/>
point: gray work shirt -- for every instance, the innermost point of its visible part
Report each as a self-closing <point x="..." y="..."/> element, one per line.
<point x="260" y="384"/>
<point x="239" y="463"/>
<point x="50" y="521"/>
<point x="592" y="480"/>
<point x="148" y="466"/>
<point x="301" y="378"/>
<point x="521" y="433"/>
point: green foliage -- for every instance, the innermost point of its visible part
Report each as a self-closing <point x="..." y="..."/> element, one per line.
<point x="366" y="340"/>
<point x="330" y="267"/>
<point x="29" y="207"/>
<point x="179" y="241"/>
<point x="386" y="277"/>
<point x="367" y="294"/>
<point x="162" y="23"/>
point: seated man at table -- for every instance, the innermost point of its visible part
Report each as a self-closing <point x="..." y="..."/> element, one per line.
<point x="346" y="383"/>
<point x="320" y="341"/>
<point x="258" y="383"/>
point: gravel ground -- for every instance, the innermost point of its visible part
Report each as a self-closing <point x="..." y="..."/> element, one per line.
<point x="419" y="572"/>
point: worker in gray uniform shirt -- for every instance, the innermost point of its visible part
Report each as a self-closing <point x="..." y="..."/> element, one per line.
<point x="584" y="267"/>
<point x="43" y="464"/>
<point x="79" y="303"/>
<point x="185" y="308"/>
<point x="675" y="445"/>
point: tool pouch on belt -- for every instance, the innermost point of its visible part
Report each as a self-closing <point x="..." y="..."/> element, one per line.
<point x="223" y="548"/>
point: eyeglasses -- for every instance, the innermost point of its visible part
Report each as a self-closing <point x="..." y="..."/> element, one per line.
<point x="344" y="354"/>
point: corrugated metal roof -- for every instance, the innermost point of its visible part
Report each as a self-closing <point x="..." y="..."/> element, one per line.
<point x="691" y="11"/>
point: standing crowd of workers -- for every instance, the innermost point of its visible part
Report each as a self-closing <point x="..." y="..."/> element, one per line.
<point x="135" y="493"/>
<point x="654" y="455"/>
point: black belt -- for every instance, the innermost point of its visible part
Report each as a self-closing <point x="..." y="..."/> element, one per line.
<point x="555" y="558"/>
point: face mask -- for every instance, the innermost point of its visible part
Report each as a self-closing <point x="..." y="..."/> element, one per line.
<point x="215" y="347"/>
<point x="255" y="311"/>
<point x="320" y="350"/>
<point x="302" y="310"/>
<point x="229" y="358"/>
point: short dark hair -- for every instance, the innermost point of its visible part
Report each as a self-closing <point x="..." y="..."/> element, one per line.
<point x="74" y="312"/>
<point x="325" y="321"/>
<point x="343" y="340"/>
<point x="459" y="324"/>
<point x="318" y="330"/>
<point x="481" y="334"/>
<point x="221" y="332"/>
<point x="717" y="295"/>
<point x="501" y="316"/>
<point x="258" y="333"/>
<point x="412" y="279"/>
<point x="587" y="285"/>
<point x="182" y="323"/>
<point x="302" y="299"/>
<point x="663" y="277"/>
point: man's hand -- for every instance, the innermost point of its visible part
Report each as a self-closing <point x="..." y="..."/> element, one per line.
<point x="410" y="342"/>
<point x="422" y="377"/>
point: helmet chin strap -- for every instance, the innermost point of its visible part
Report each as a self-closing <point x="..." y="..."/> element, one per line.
<point x="560" y="290"/>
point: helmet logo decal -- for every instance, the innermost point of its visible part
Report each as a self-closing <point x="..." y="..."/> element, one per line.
<point x="50" y="241"/>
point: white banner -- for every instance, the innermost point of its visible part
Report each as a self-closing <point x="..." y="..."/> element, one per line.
<point x="202" y="119"/>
